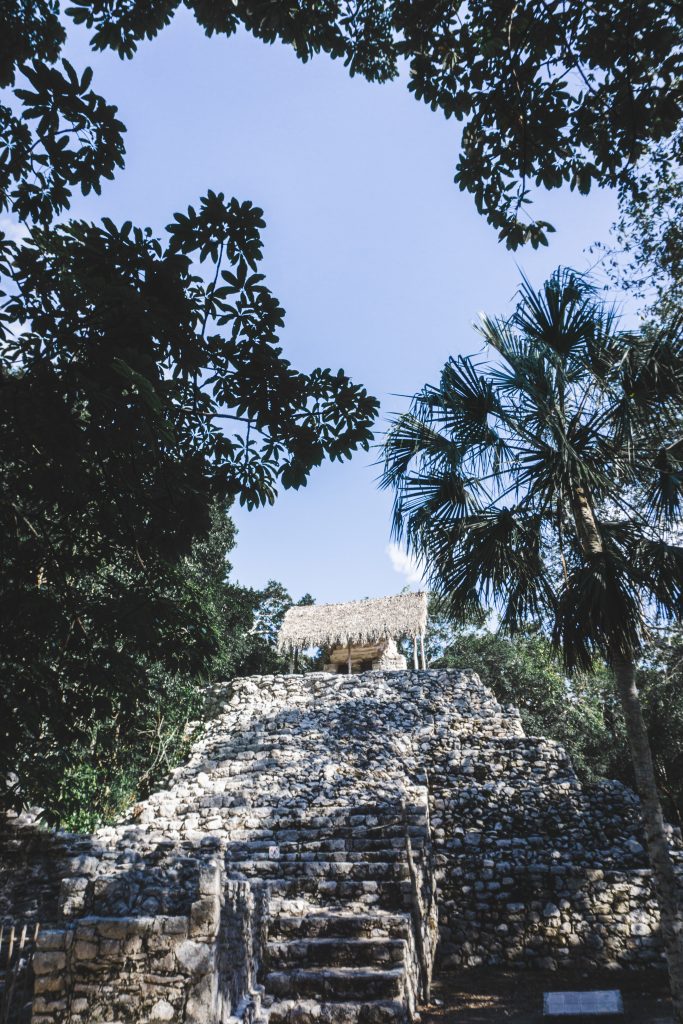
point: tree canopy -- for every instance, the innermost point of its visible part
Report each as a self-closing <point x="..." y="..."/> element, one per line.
<point x="549" y="93"/>
<point x="142" y="384"/>
<point x="88" y="726"/>
<point x="645" y="257"/>
<point x="121" y="366"/>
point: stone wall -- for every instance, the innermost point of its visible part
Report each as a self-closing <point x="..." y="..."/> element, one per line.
<point x="397" y="806"/>
<point x="532" y="868"/>
<point x="197" y="968"/>
<point x="33" y="863"/>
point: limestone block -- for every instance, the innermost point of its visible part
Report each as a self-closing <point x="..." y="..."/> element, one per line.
<point x="209" y="879"/>
<point x="194" y="957"/>
<point x="110" y="948"/>
<point x="48" y="963"/>
<point x="199" y="1003"/>
<point x="51" y="939"/>
<point x="204" y="915"/>
<point x="132" y="945"/>
<point x="85" y="950"/>
<point x="114" y="928"/>
<point x="173" y="925"/>
<point x="162" y="1010"/>
<point x="49" y="983"/>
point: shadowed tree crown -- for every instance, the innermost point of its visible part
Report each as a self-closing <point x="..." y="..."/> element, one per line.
<point x="549" y="93"/>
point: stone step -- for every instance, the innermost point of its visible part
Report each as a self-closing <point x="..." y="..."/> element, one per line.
<point x="304" y="1011"/>
<point x="280" y="789"/>
<point x="255" y="824"/>
<point x="306" y="832"/>
<point x="362" y="870"/>
<point x="330" y="850"/>
<point x="354" y="848"/>
<point x="390" y="895"/>
<point x="335" y="952"/>
<point x="345" y="807"/>
<point x="336" y="983"/>
<point x="530" y="790"/>
<point x="329" y="922"/>
<point x="304" y="812"/>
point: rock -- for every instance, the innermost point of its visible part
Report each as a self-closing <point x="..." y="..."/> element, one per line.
<point x="162" y="1010"/>
<point x="194" y="956"/>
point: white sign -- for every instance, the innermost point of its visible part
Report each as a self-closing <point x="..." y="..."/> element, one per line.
<point x="573" y="1004"/>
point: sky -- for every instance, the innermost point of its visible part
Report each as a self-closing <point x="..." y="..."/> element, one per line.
<point x="381" y="263"/>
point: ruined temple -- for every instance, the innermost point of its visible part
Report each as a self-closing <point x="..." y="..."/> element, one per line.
<point x="358" y="635"/>
<point x="332" y="841"/>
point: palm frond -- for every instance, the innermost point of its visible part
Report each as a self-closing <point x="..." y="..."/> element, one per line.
<point x="410" y="437"/>
<point x="597" y="613"/>
<point x="661" y="569"/>
<point x="604" y="349"/>
<point x="560" y="315"/>
<point x="655" y="565"/>
<point x="656" y="370"/>
<point x="571" y="405"/>
<point x="665" y="491"/>
<point x="496" y="555"/>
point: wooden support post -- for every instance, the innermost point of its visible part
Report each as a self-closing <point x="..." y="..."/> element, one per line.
<point x="415" y="665"/>
<point x="349" y="657"/>
<point x="422" y="650"/>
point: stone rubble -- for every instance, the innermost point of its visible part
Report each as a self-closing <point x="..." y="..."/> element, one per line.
<point x="329" y="837"/>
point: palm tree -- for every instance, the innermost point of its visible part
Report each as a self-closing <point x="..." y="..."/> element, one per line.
<point x="549" y="482"/>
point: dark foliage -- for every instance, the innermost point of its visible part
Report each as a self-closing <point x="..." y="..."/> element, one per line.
<point x="645" y="257"/>
<point x="98" y="694"/>
<point x="115" y="387"/>
<point x="549" y="93"/>
<point x="142" y="384"/>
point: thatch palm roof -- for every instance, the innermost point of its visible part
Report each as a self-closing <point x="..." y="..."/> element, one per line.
<point x="355" y="622"/>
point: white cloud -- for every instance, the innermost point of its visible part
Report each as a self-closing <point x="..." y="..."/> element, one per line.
<point x="404" y="564"/>
<point x="12" y="230"/>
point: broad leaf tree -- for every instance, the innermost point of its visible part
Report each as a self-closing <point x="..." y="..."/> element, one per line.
<point x="549" y="93"/>
<point x="141" y="381"/>
<point x="90" y="730"/>
<point x="645" y="255"/>
<point x="548" y="482"/>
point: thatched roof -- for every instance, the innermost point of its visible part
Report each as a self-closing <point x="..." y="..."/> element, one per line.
<point x="355" y="622"/>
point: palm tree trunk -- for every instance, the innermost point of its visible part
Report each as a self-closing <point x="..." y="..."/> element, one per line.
<point x="663" y="871"/>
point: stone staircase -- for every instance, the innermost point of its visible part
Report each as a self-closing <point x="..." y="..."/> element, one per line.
<point x="335" y="836"/>
<point x="332" y="836"/>
<point x="344" y="901"/>
<point x="338" y="965"/>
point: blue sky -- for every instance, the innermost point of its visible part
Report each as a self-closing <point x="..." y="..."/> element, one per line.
<point x="380" y="262"/>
